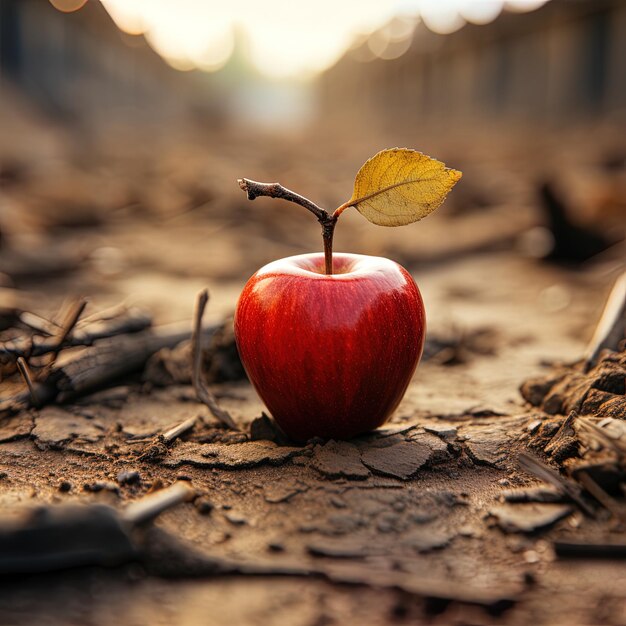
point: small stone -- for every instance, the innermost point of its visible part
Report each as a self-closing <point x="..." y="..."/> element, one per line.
<point x="338" y="503"/>
<point x="3" y="475"/>
<point x="129" y="478"/>
<point x="101" y="485"/>
<point x="203" y="505"/>
<point x="236" y="519"/>
<point x="184" y="477"/>
<point x="467" y="531"/>
<point x="275" y="546"/>
<point x="264" y="428"/>
<point x="65" y="486"/>
<point x="530" y="556"/>
<point x="505" y="482"/>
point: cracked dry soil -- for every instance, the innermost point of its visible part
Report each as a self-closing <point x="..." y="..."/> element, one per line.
<point x="427" y="520"/>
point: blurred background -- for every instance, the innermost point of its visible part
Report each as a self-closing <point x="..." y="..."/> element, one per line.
<point x="124" y="125"/>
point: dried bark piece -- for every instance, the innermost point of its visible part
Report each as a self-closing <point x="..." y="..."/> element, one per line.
<point x="56" y="427"/>
<point x="487" y="445"/>
<point x="529" y="518"/>
<point x="398" y="459"/>
<point x="264" y="428"/>
<point x="533" y="494"/>
<point x="566" y="395"/>
<point x="447" y="433"/>
<point x="534" y="390"/>
<point x="230" y="457"/>
<point x="564" y="445"/>
<point x="438" y="448"/>
<point x="339" y="459"/>
<point x="599" y="392"/>
<point x="16" y="426"/>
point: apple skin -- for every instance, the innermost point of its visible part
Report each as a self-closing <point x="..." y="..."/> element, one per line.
<point x="330" y="355"/>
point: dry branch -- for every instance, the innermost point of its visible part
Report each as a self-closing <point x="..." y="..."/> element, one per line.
<point x="132" y="321"/>
<point x="202" y="391"/>
<point x="101" y="365"/>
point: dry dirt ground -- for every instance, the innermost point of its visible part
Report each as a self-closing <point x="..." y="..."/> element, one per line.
<point x="415" y="523"/>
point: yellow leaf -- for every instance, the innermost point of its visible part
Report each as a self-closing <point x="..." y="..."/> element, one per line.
<point x="399" y="186"/>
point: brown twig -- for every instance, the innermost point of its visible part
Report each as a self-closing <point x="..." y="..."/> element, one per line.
<point x="22" y="365"/>
<point x="107" y="362"/>
<point x="66" y="327"/>
<point x="546" y="473"/>
<point x="38" y="323"/>
<point x="151" y="506"/>
<point x="82" y="335"/>
<point x="202" y="391"/>
<point x="588" y="550"/>
<point x="178" y="430"/>
<point x="255" y="189"/>
<point x="600" y="495"/>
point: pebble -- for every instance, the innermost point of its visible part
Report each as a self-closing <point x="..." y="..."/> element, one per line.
<point x="203" y="505"/>
<point x="129" y="478"/>
<point x="236" y="519"/>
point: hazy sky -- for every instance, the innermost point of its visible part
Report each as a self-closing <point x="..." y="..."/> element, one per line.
<point x="286" y="38"/>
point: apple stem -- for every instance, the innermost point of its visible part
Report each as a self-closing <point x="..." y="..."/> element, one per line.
<point x="255" y="189"/>
<point x="328" y="230"/>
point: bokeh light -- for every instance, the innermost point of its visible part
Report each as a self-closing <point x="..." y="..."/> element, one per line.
<point x="68" y="6"/>
<point x="292" y="39"/>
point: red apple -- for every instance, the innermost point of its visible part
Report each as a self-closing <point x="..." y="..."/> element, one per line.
<point x="331" y="355"/>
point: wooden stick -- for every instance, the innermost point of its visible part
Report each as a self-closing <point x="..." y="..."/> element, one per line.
<point x="178" y="430"/>
<point x="587" y="550"/>
<point x="546" y="473"/>
<point x="202" y="391"/>
<point x="151" y="506"/>
<point x="22" y="365"/>
<point x="610" y="328"/>
<point x="106" y="362"/>
<point x="600" y="495"/>
<point x="83" y="335"/>
<point x="114" y="358"/>
<point x="67" y="326"/>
